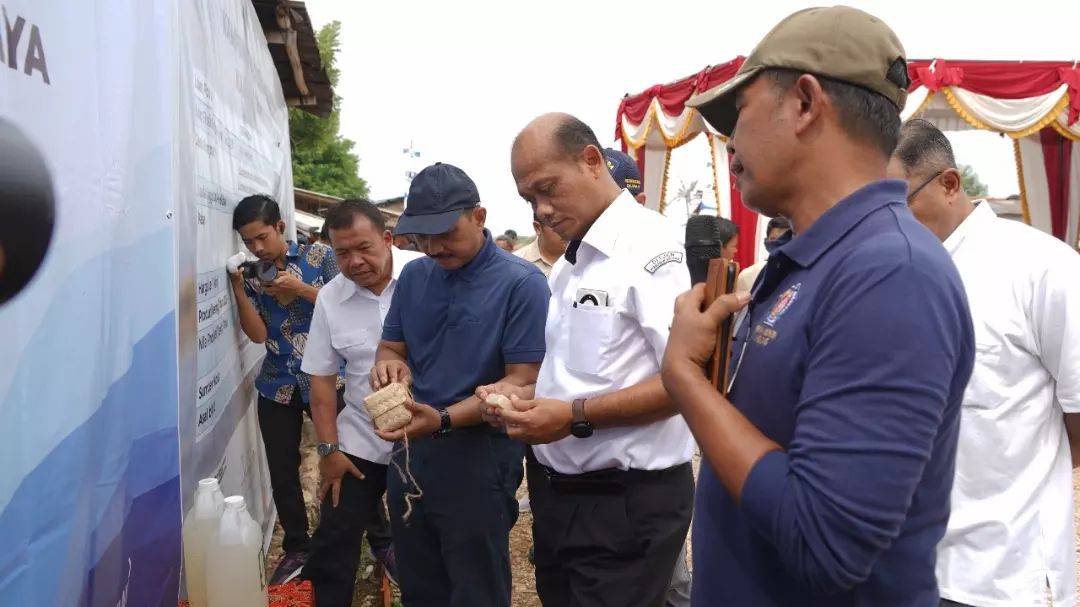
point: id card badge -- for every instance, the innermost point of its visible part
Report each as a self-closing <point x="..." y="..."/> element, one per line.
<point x="591" y="297"/>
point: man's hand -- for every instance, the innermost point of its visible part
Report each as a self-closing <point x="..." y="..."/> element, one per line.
<point x="489" y="413"/>
<point x="694" y="331"/>
<point x="237" y="277"/>
<point x="286" y="288"/>
<point x="332" y="469"/>
<point x="537" y="422"/>
<point x="425" y="421"/>
<point x="386" y="372"/>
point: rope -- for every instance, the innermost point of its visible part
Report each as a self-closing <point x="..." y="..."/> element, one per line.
<point x="406" y="474"/>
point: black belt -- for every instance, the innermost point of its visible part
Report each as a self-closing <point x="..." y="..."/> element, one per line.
<point x="610" y="481"/>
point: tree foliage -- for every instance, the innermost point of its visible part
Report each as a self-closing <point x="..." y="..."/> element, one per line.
<point x="323" y="160"/>
<point x="971" y="182"/>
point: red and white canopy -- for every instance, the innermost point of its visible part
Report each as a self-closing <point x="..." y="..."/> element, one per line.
<point x="1036" y="103"/>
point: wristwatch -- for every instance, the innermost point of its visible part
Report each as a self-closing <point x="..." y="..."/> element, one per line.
<point x="324" y="449"/>
<point x="444" y="423"/>
<point x="580" y="427"/>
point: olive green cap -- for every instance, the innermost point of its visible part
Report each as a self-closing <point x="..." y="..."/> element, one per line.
<point x="837" y="42"/>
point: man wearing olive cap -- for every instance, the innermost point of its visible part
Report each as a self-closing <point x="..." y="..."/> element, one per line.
<point x="829" y="463"/>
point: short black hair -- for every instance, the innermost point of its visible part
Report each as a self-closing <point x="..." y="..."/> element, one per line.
<point x="726" y="229"/>
<point x="511" y="234"/>
<point x="343" y="214"/>
<point x="324" y="232"/>
<point x="257" y="207"/>
<point x="923" y="148"/>
<point x="572" y="136"/>
<point x="865" y="115"/>
<point x="777" y="223"/>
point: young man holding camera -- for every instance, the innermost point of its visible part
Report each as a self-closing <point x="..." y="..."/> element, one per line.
<point x="278" y="313"/>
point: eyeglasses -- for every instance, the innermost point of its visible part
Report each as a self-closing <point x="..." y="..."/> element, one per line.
<point x="912" y="193"/>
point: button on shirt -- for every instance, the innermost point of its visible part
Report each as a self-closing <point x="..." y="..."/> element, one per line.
<point x="631" y="267"/>
<point x="854" y="358"/>
<point x="287" y="325"/>
<point x="346" y="328"/>
<point x="462" y="327"/>
<point x="1011" y="527"/>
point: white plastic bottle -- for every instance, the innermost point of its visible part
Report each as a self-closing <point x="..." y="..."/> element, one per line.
<point x="199" y="526"/>
<point x="235" y="562"/>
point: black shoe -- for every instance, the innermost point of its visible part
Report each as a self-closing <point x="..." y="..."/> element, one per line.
<point x="290" y="566"/>
<point x="386" y="558"/>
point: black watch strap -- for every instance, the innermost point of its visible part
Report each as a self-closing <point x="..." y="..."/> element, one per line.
<point x="444" y="422"/>
<point x="579" y="426"/>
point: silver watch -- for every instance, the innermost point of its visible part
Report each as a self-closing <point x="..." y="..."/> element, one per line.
<point x="324" y="449"/>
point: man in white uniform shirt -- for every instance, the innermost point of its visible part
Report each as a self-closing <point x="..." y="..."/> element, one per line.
<point x="346" y="327"/>
<point x="610" y="480"/>
<point x="1010" y="536"/>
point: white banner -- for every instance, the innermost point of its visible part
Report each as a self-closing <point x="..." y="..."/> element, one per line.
<point x="233" y="141"/>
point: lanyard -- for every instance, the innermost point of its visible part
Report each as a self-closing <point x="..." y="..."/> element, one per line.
<point x="745" y="316"/>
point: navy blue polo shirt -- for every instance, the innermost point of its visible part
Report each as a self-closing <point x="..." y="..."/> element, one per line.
<point x="463" y="327"/>
<point x="854" y="357"/>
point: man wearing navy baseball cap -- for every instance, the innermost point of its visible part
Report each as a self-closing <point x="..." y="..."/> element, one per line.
<point x="625" y="172"/>
<point x="469" y="314"/>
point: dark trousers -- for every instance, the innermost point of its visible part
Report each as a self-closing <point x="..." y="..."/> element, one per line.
<point x="455" y="549"/>
<point x="280" y="426"/>
<point x="379" y="536"/>
<point x="948" y="603"/>
<point x="336" y="545"/>
<point x="608" y="539"/>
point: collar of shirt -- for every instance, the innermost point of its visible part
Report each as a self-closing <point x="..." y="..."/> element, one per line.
<point x="293" y="251"/>
<point x="469" y="271"/>
<point x="604" y="232"/>
<point x="971" y="224"/>
<point x="531" y="252"/>
<point x="397" y="262"/>
<point x="839" y="220"/>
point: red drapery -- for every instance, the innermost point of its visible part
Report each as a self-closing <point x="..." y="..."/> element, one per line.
<point x="998" y="79"/>
<point x="1057" y="156"/>
<point x="747" y="222"/>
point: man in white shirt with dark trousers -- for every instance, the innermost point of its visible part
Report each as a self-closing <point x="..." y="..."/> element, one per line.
<point x="1010" y="537"/>
<point x="346" y="327"/>
<point x="609" y="476"/>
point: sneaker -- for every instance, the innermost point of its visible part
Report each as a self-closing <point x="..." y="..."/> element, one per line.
<point x="386" y="558"/>
<point x="290" y="566"/>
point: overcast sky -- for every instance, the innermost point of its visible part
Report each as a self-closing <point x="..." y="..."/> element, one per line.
<point x="460" y="78"/>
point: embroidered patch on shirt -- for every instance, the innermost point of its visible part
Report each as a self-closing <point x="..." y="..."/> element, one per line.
<point x="663" y="259"/>
<point x="782" y="304"/>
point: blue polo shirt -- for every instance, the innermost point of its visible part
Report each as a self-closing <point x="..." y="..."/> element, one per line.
<point x="854" y="357"/>
<point x="463" y="327"/>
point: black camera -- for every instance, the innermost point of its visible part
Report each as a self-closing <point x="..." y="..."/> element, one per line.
<point x="27" y="210"/>
<point x="263" y="271"/>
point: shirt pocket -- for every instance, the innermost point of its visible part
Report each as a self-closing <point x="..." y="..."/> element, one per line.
<point x="985" y="389"/>
<point x="351" y="345"/>
<point x="591" y="329"/>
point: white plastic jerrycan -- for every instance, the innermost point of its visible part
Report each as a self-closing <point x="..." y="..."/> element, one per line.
<point x="199" y="527"/>
<point x="235" y="562"/>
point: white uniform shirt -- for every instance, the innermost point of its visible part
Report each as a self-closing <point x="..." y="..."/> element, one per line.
<point x="347" y="326"/>
<point x="631" y="255"/>
<point x="1011" y="529"/>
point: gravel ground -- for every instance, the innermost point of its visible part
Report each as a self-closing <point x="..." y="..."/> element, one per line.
<point x="524" y="594"/>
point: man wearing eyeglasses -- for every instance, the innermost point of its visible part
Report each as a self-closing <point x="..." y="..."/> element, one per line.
<point x="827" y="466"/>
<point x="1010" y="536"/>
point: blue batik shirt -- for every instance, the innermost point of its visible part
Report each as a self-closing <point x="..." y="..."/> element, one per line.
<point x="287" y="325"/>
